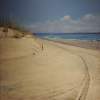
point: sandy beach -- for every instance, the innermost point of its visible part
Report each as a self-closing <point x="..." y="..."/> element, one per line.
<point x="36" y="69"/>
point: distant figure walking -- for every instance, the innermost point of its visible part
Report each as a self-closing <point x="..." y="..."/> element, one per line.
<point x="42" y="47"/>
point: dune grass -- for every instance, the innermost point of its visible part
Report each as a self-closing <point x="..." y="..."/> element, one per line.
<point x="10" y="23"/>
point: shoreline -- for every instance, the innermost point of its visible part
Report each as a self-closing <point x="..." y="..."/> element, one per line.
<point x="87" y="44"/>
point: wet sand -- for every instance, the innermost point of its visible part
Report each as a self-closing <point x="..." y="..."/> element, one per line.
<point x="88" y="44"/>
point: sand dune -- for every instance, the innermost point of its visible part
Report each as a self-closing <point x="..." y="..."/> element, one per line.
<point x="36" y="69"/>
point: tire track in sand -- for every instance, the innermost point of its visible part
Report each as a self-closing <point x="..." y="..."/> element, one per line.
<point x="86" y="82"/>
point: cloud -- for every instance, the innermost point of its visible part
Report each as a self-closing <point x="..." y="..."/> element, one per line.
<point x="66" y="18"/>
<point x="87" y="23"/>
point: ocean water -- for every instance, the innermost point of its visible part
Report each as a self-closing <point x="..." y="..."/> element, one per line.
<point x="72" y="36"/>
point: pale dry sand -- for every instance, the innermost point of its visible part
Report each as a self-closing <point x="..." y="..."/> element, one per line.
<point x="92" y="59"/>
<point x="35" y="69"/>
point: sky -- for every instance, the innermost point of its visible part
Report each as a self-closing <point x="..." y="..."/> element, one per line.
<point x="64" y="16"/>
